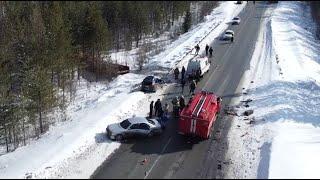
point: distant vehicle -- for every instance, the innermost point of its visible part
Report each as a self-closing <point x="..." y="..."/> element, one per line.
<point x="134" y="126"/>
<point x="235" y="21"/>
<point x="196" y="63"/>
<point x="239" y="2"/>
<point x="227" y="35"/>
<point x="151" y="84"/>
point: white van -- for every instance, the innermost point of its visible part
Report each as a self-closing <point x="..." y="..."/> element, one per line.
<point x="196" y="63"/>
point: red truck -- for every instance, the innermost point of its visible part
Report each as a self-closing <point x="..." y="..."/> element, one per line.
<point x="199" y="115"/>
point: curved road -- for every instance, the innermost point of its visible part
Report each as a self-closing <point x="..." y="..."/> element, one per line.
<point x="174" y="156"/>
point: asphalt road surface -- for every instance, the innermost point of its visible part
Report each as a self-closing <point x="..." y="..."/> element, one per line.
<point x="171" y="155"/>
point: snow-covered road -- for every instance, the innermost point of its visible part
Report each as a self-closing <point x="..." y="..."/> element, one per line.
<point x="282" y="140"/>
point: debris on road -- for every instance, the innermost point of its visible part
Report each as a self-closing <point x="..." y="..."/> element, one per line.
<point x="143" y="162"/>
<point x="230" y="111"/>
<point x="244" y="134"/>
<point x="247" y="101"/>
<point x="248" y="112"/>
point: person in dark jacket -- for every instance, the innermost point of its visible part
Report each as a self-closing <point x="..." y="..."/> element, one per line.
<point x="176" y="73"/>
<point x="197" y="47"/>
<point x="175" y="106"/>
<point x="182" y="102"/>
<point x="183" y="71"/>
<point x="198" y="75"/>
<point x="207" y="49"/>
<point x="157" y="107"/>
<point x="192" y="87"/>
<point x="183" y="82"/>
<point x="232" y="38"/>
<point x="151" y="109"/>
<point x="210" y="51"/>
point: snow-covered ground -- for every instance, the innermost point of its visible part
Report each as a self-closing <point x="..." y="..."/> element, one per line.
<point x="75" y="148"/>
<point x="282" y="140"/>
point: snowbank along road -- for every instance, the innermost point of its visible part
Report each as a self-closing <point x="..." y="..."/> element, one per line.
<point x="174" y="156"/>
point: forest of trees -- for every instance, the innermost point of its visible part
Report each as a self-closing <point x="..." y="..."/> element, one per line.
<point x="45" y="46"/>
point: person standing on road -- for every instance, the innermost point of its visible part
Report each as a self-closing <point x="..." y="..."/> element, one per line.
<point x="207" y="49"/>
<point x="151" y="109"/>
<point x="192" y="86"/>
<point x="183" y="71"/>
<point x="198" y="75"/>
<point x="175" y="106"/>
<point x="231" y="38"/>
<point x="157" y="107"/>
<point x="176" y="73"/>
<point x="197" y="47"/>
<point x="210" y="51"/>
<point x="183" y="82"/>
<point x="166" y="109"/>
<point x="182" y="102"/>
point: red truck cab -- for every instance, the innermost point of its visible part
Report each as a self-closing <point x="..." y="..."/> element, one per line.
<point x="199" y="115"/>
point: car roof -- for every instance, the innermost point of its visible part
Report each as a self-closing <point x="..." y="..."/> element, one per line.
<point x="135" y="120"/>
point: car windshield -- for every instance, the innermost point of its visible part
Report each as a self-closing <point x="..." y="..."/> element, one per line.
<point x="125" y="124"/>
<point x="228" y="32"/>
<point x="151" y="122"/>
<point x="236" y="18"/>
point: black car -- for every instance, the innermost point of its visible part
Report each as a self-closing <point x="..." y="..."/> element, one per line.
<point x="150" y="84"/>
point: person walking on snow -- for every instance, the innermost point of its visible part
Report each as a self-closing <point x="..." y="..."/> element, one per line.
<point x="207" y="49"/>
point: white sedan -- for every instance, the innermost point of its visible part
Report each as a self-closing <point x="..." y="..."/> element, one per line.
<point x="227" y="35"/>
<point x="235" y="20"/>
<point x="132" y="127"/>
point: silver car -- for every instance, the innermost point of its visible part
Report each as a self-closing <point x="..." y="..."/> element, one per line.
<point x="227" y="35"/>
<point x="132" y="127"/>
<point x="235" y="21"/>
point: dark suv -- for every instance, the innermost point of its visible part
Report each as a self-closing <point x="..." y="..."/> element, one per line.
<point x="150" y="84"/>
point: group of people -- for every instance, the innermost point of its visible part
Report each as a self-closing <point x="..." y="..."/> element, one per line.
<point x="157" y="110"/>
<point x="178" y="103"/>
<point x="195" y="74"/>
<point x="208" y="49"/>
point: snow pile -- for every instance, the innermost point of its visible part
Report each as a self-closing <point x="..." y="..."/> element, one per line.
<point x="74" y="149"/>
<point x="281" y="138"/>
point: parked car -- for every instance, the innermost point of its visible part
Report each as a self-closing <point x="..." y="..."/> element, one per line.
<point x="239" y="2"/>
<point x="235" y="21"/>
<point x="151" y="84"/>
<point x="227" y="35"/>
<point x="134" y="126"/>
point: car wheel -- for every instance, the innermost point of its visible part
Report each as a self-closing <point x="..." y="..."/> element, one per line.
<point x="119" y="137"/>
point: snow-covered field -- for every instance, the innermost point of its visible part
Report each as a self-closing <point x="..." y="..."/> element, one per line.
<point x="282" y="140"/>
<point x="75" y="148"/>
